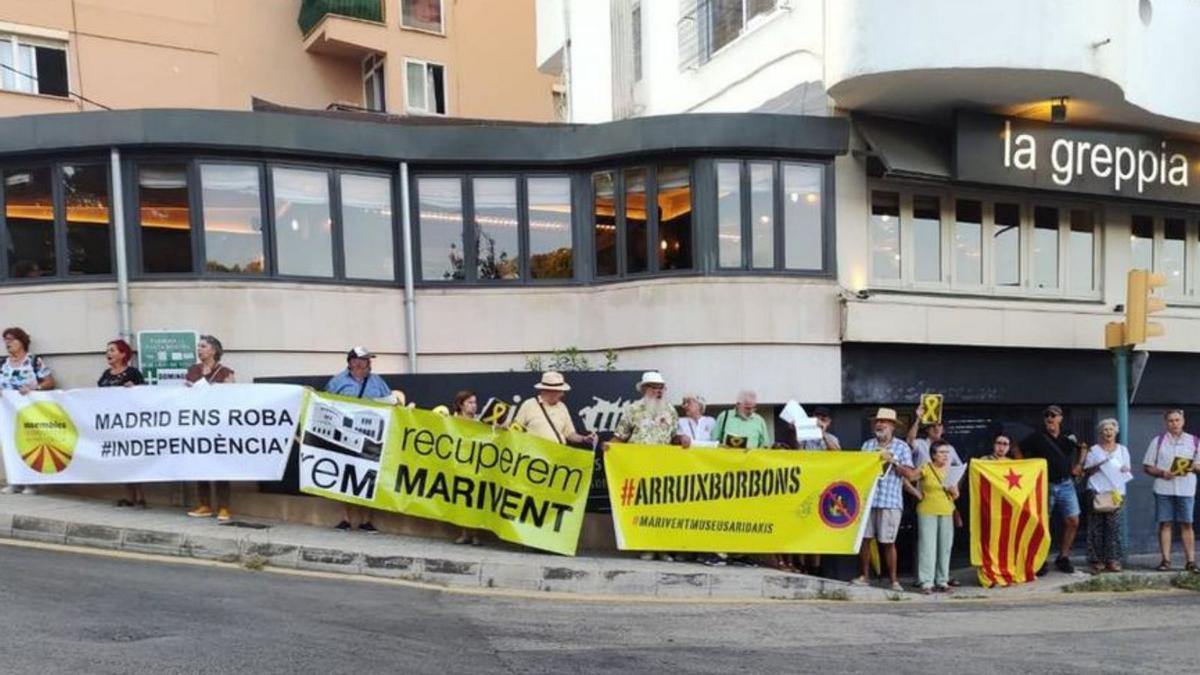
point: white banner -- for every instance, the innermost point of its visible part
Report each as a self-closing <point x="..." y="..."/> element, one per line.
<point x="144" y="434"/>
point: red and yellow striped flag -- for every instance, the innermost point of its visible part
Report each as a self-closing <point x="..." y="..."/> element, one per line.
<point x="1010" y="521"/>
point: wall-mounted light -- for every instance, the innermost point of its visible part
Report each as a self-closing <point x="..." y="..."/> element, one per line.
<point x="1058" y="110"/>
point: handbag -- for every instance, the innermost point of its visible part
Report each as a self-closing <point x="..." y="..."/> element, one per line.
<point x="1106" y="502"/>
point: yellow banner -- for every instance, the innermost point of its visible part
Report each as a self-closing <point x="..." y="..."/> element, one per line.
<point x="665" y="498"/>
<point x="526" y="490"/>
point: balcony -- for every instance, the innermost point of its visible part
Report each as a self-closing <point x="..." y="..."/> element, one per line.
<point x="345" y="28"/>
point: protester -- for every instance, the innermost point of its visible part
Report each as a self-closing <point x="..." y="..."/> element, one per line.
<point x="466" y="406"/>
<point x="210" y="371"/>
<point x="357" y="381"/>
<point x="883" y="522"/>
<point x="741" y="427"/>
<point x="22" y="372"/>
<point x="920" y="446"/>
<point x="1172" y="460"/>
<point x="120" y="374"/>
<point x="935" y="520"/>
<point x="1064" y="461"/>
<point x="695" y="424"/>
<point x="1001" y="445"/>
<point x="546" y="416"/>
<point x="1108" y="468"/>
<point x="827" y="441"/>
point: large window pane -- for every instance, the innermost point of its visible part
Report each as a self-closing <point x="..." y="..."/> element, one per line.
<point x="1045" y="247"/>
<point x="968" y="241"/>
<point x="415" y="86"/>
<point x="885" y="235"/>
<point x="803" y="243"/>
<point x="726" y="21"/>
<point x="303" y="229"/>
<point x="762" y="215"/>
<point x="636" y="231"/>
<point x="674" y="217"/>
<point x="232" y="203"/>
<point x="1173" y="255"/>
<point x="89" y="242"/>
<point x="1082" y="251"/>
<point x="1141" y="242"/>
<point x="1006" y="244"/>
<point x="165" y="219"/>
<point x="422" y="14"/>
<point x="497" y="241"/>
<point x="29" y="211"/>
<point x="604" y="216"/>
<point x="927" y="238"/>
<point x="440" y="219"/>
<point x="367" y="227"/>
<point x="550" y="248"/>
<point x="729" y="214"/>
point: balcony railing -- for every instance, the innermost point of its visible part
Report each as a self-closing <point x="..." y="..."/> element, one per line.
<point x="312" y="11"/>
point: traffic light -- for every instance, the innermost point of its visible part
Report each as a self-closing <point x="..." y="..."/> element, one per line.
<point x="1140" y="304"/>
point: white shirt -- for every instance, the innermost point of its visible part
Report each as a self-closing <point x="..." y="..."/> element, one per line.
<point x="697" y="430"/>
<point x="1098" y="481"/>
<point x="920" y="451"/>
<point x="1163" y="457"/>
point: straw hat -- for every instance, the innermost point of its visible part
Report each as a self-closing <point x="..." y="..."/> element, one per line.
<point x="886" y="415"/>
<point x="552" y="381"/>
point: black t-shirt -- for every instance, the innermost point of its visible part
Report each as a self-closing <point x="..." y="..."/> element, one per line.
<point x="1059" y="453"/>
<point x="130" y="375"/>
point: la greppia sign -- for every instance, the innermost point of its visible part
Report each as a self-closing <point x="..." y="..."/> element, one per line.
<point x="1025" y="153"/>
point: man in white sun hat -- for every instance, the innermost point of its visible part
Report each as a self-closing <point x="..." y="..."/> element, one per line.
<point x="546" y="416"/>
<point x="883" y="521"/>
<point x="650" y="420"/>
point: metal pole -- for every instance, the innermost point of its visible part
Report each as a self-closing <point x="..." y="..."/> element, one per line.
<point x="1121" y="364"/>
<point x="410" y="300"/>
<point x="122" y="260"/>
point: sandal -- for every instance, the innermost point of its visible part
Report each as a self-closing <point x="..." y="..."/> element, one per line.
<point x="1113" y="567"/>
<point x="1165" y="566"/>
<point x="1097" y="568"/>
<point x="1191" y="567"/>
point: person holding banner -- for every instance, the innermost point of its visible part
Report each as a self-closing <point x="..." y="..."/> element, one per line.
<point x="1108" y="468"/>
<point x="695" y="424"/>
<point x="937" y="491"/>
<point x="357" y="381"/>
<point x="883" y="522"/>
<point x="1001" y="445"/>
<point x="22" y="372"/>
<point x="207" y="372"/>
<point x="741" y="427"/>
<point x="1172" y="460"/>
<point x="546" y="416"/>
<point x="466" y="405"/>
<point x="119" y="373"/>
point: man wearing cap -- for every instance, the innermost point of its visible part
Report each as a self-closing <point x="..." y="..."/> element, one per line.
<point x="357" y="381"/>
<point x="546" y="416"/>
<point x="650" y="420"/>
<point x="883" y="522"/>
<point x="1064" y="463"/>
<point x="827" y="441"/>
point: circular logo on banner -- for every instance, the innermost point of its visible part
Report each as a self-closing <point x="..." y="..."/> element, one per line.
<point x="840" y="505"/>
<point x="45" y="437"/>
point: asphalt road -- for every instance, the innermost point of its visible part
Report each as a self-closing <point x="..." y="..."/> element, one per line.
<point x="72" y="613"/>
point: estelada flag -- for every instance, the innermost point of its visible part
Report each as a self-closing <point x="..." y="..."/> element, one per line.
<point x="1010" y="521"/>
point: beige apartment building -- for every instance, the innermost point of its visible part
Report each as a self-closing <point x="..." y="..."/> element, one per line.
<point x="460" y="58"/>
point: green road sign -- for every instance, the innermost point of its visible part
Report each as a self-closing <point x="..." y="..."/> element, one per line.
<point x="165" y="355"/>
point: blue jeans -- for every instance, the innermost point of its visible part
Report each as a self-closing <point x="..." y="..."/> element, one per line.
<point x="1063" y="496"/>
<point x="1173" y="509"/>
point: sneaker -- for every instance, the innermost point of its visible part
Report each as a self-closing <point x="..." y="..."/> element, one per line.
<point x="1064" y="565"/>
<point x="30" y="490"/>
<point x="665" y="557"/>
<point x="714" y="561"/>
<point x="943" y="588"/>
<point x="646" y="556"/>
<point x="200" y="512"/>
<point x="463" y="539"/>
<point x="10" y="490"/>
<point x="368" y="528"/>
<point x="1044" y="569"/>
<point x="344" y="526"/>
<point x="897" y="587"/>
<point x="926" y="590"/>
<point x="223" y="515"/>
<point x="860" y="581"/>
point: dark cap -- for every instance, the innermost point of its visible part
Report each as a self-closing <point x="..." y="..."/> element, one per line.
<point x="1052" y="411"/>
<point x="821" y="411"/>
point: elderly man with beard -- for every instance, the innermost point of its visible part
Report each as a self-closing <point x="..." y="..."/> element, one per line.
<point x="883" y="522"/>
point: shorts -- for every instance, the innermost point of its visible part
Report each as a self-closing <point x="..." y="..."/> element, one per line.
<point x="1174" y="509"/>
<point x="1064" y="497"/>
<point x="882" y="525"/>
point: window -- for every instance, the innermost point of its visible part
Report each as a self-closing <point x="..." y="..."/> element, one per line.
<point x="885" y="235"/>
<point x="927" y="238"/>
<point x="33" y="67"/>
<point x="1082" y="251"/>
<point x="637" y="230"/>
<point x="367" y="227"/>
<point x="968" y="242"/>
<point x="728" y="19"/>
<point x="89" y="222"/>
<point x="1174" y="255"/>
<point x="636" y="21"/>
<point x="780" y="224"/>
<point x="1006" y="243"/>
<point x="1160" y="244"/>
<point x="164" y="219"/>
<point x="29" y="214"/>
<point x="231" y="195"/>
<point x="604" y="218"/>
<point x="549" y="218"/>
<point x="374" y="83"/>
<point x="497" y="241"/>
<point x="762" y="215"/>
<point x="440" y="215"/>
<point x="802" y="233"/>
<point x="1045" y="247"/>
<point x="425" y="84"/>
<point x="729" y="214"/>
<point x="303" y="226"/>
<point x="422" y="15"/>
<point x="674" y="197"/>
<point x="1141" y="242"/>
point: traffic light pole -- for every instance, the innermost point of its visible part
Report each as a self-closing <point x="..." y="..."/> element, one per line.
<point x="1121" y="364"/>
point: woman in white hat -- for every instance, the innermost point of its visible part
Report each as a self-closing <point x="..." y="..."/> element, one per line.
<point x="546" y="416"/>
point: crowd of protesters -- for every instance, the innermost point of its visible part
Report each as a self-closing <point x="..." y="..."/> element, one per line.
<point x="916" y="464"/>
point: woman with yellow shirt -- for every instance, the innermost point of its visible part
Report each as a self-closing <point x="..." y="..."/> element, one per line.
<point x="935" y="520"/>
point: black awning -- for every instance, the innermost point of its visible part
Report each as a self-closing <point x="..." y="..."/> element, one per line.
<point x="906" y="149"/>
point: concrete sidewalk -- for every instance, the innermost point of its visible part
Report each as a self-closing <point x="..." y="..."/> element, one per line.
<point x="85" y="522"/>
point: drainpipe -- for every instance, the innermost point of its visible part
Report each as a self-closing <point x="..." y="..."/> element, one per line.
<point x="118" y="203"/>
<point x="410" y="301"/>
